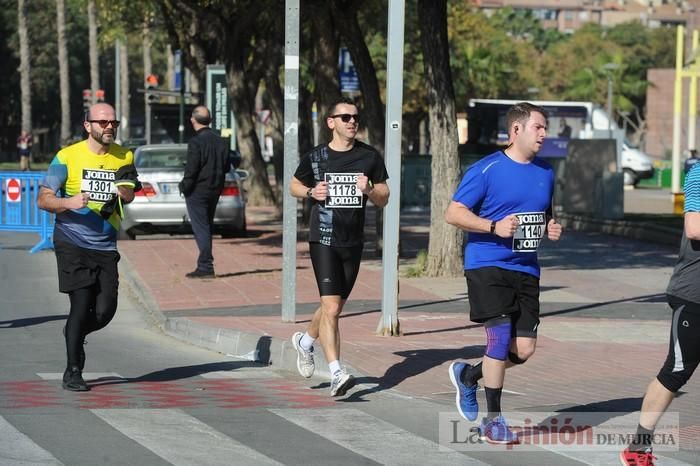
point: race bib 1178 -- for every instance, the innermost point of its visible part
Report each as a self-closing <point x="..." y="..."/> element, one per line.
<point x="342" y="191"/>
<point x="530" y="231"/>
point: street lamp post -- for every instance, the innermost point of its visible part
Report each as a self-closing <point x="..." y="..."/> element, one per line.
<point x="609" y="68"/>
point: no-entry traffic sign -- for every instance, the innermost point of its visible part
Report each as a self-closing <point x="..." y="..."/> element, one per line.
<point x="13" y="190"/>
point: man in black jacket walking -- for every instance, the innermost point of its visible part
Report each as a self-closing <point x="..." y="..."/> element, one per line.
<point x="208" y="161"/>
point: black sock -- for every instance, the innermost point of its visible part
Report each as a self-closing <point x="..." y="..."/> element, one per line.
<point x="493" y="401"/>
<point x="642" y="439"/>
<point x="471" y="375"/>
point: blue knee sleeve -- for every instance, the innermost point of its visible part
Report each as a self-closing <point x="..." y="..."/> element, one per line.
<point x="498" y="340"/>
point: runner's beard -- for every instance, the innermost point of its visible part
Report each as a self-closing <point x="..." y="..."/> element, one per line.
<point x="105" y="138"/>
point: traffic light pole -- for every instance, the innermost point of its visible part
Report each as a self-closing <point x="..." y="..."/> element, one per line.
<point x="181" y="128"/>
<point x="147" y="128"/>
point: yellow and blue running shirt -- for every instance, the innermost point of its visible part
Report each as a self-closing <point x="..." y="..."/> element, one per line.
<point x="77" y="169"/>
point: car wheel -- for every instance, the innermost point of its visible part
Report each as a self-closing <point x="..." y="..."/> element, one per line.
<point x="126" y="235"/>
<point x="629" y="177"/>
<point x="235" y="232"/>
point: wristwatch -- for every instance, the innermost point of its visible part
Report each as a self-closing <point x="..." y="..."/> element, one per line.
<point x="308" y="193"/>
<point x="493" y="226"/>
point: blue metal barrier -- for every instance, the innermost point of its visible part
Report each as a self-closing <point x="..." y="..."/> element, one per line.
<point x="18" y="208"/>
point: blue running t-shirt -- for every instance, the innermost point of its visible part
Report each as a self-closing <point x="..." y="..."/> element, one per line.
<point x="495" y="187"/>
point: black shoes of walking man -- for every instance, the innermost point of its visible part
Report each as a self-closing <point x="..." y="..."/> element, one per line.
<point x="200" y="274"/>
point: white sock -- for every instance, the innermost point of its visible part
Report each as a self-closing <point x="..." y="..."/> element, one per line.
<point x="307" y="342"/>
<point x="334" y="366"/>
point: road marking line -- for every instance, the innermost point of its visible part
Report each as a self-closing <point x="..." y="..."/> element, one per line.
<point x="179" y="438"/>
<point x="373" y="438"/>
<point x="24" y="450"/>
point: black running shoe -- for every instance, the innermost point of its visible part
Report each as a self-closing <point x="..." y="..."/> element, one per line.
<point x="73" y="380"/>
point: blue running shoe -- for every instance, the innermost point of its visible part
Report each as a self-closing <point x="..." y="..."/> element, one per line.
<point x="497" y="431"/>
<point x="465" y="398"/>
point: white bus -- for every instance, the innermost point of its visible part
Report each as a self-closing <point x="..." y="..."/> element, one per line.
<point x="567" y="120"/>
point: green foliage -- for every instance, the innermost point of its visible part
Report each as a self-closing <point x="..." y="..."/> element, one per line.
<point x="418" y="269"/>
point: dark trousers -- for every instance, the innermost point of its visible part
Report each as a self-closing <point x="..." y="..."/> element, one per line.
<point x="200" y="209"/>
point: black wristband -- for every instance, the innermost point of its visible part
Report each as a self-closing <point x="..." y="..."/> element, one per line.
<point x="493" y="226"/>
<point x="309" y="192"/>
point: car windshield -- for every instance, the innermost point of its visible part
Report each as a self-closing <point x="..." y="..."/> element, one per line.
<point x="161" y="158"/>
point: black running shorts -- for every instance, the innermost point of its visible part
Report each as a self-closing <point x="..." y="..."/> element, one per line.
<point x="336" y="268"/>
<point x="80" y="267"/>
<point x="495" y="292"/>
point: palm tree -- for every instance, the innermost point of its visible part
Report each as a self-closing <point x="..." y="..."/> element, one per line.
<point x="63" y="70"/>
<point x="24" y="66"/>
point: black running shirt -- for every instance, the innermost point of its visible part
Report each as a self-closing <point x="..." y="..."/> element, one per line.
<point x="340" y="220"/>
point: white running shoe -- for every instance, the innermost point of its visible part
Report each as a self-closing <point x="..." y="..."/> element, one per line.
<point x="305" y="359"/>
<point x="341" y="383"/>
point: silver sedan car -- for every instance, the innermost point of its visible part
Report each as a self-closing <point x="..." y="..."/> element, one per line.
<point x="160" y="208"/>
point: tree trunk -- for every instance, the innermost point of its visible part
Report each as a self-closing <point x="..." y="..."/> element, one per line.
<point x="260" y="191"/>
<point x="24" y="66"/>
<point x="63" y="71"/>
<point x="124" y="89"/>
<point x="325" y="65"/>
<point x="345" y="16"/>
<point x="276" y="101"/>
<point x="444" y="248"/>
<point x="94" y="62"/>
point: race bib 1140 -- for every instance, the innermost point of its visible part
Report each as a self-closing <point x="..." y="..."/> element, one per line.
<point x="342" y="191"/>
<point x="530" y="231"/>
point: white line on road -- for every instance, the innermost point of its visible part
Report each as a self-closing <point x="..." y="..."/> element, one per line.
<point x="24" y="450"/>
<point x="373" y="438"/>
<point x="179" y="438"/>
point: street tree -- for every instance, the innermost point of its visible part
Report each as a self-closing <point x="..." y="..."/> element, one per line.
<point x="444" y="247"/>
<point x="93" y="50"/>
<point x="63" y="71"/>
<point x="25" y="66"/>
<point x="217" y="31"/>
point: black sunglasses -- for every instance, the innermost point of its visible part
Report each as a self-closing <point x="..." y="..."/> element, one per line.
<point x="346" y="117"/>
<point x="105" y="123"/>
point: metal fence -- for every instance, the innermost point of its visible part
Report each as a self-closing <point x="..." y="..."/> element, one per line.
<point x="19" y="210"/>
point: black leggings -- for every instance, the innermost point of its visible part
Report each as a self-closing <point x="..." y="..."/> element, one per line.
<point x="684" y="345"/>
<point x="91" y="309"/>
<point x="336" y="268"/>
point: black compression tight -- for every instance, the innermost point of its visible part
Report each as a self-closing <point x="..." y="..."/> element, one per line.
<point x="90" y="310"/>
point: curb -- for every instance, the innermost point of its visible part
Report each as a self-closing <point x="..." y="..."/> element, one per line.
<point x="265" y="349"/>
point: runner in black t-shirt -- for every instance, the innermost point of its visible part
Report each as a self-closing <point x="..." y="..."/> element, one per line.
<point x="339" y="176"/>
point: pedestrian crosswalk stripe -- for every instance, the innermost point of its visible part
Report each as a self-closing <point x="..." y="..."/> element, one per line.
<point x="179" y="438"/>
<point x="373" y="438"/>
<point x="17" y="448"/>
<point x="88" y="376"/>
<point x="242" y="374"/>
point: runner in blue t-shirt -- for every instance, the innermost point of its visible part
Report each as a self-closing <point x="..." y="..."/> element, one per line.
<point x="504" y="203"/>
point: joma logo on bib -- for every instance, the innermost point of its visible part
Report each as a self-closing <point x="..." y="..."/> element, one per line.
<point x="531" y="226"/>
<point x="342" y="191"/>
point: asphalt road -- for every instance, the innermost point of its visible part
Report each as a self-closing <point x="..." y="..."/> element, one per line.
<point x="156" y="400"/>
